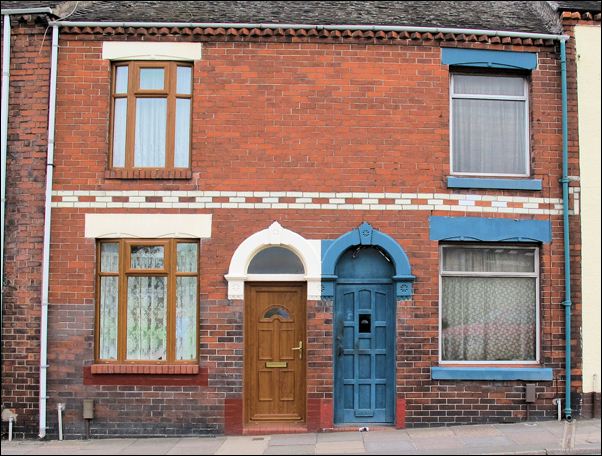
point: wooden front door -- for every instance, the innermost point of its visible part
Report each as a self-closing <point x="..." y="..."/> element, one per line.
<point x="275" y="351"/>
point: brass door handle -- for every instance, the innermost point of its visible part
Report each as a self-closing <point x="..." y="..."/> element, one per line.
<point x="300" y="349"/>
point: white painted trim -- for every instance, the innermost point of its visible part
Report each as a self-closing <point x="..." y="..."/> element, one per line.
<point x="137" y="50"/>
<point x="148" y="226"/>
<point x="308" y="251"/>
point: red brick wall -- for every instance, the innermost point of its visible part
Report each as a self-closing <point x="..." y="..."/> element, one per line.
<point x="293" y="117"/>
<point x="26" y="174"/>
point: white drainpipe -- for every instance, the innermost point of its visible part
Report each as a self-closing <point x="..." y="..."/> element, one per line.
<point x="47" y="220"/>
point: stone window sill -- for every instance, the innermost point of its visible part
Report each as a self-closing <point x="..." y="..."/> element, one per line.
<point x="148" y="174"/>
<point x="146" y="369"/>
<point x="492" y="373"/>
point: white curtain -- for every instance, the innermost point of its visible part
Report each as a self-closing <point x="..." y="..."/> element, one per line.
<point x="119" y="132"/>
<point x="489" y="136"/>
<point x="182" y="139"/>
<point x="151" y="125"/>
<point x="109" y="317"/>
<point x="488" y="318"/>
<point x="186" y="309"/>
<point x="147" y="318"/>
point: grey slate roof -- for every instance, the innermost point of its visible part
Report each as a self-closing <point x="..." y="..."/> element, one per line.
<point x="578" y="6"/>
<point x="491" y="15"/>
<point x="25" y="5"/>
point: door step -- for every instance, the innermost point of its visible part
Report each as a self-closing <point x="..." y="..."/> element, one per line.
<point x="274" y="428"/>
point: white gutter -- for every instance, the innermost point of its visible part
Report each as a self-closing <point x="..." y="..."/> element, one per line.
<point x="4" y="140"/>
<point x="375" y="28"/>
<point x="47" y="220"/>
<point x="26" y="11"/>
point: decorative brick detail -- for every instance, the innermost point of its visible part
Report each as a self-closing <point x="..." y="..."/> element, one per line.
<point x="450" y="202"/>
<point x="147" y="369"/>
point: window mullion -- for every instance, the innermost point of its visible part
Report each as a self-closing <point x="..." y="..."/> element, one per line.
<point x="122" y="306"/>
<point x="171" y="302"/>
<point x="130" y="137"/>
<point x="170" y="139"/>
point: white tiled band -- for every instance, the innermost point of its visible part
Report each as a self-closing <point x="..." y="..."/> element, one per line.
<point x="162" y="199"/>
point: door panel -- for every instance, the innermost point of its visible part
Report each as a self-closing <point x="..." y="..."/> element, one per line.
<point x="274" y="372"/>
<point x="364" y="353"/>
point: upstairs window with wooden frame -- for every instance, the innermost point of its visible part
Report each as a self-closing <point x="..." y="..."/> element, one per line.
<point x="147" y="301"/>
<point x="151" y="115"/>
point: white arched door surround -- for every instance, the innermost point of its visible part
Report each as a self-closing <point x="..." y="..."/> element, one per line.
<point x="308" y="251"/>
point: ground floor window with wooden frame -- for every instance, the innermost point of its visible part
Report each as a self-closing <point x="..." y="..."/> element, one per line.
<point x="147" y="301"/>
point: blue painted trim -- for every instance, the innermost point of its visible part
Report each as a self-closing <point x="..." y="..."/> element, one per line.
<point x="489" y="229"/>
<point x="492" y="373"/>
<point x="489" y="59"/>
<point x="500" y="184"/>
<point x="365" y="235"/>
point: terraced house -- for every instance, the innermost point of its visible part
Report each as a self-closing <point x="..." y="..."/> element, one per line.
<point x="252" y="217"/>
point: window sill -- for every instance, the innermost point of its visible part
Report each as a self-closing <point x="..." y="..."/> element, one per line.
<point x="495" y="184"/>
<point x="492" y="373"/>
<point x="148" y="174"/>
<point x="147" y="369"/>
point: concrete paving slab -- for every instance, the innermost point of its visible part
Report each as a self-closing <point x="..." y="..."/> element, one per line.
<point x="437" y="443"/>
<point x="340" y="437"/>
<point x="244" y="445"/>
<point x="293" y="439"/>
<point x="475" y="431"/>
<point x="293" y="449"/>
<point x="150" y="446"/>
<point x="340" y="447"/>
<point x="485" y="442"/>
<point x="190" y="446"/>
<point x="385" y="436"/>
<point x="431" y="433"/>
<point x="399" y="446"/>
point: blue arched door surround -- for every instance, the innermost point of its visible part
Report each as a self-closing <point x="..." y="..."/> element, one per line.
<point x="365" y="270"/>
<point x="365" y="235"/>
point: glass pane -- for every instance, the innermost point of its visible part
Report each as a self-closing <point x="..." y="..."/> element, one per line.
<point x="489" y="136"/>
<point x="109" y="317"/>
<point x="187" y="257"/>
<point x="184" y="82"/>
<point x="186" y="308"/>
<point x="121" y="79"/>
<point x="147" y="257"/>
<point x="146" y="318"/>
<point x="119" y="132"/>
<point x="182" y="133"/>
<point x="488" y="260"/>
<point x="489" y="85"/>
<point x="277" y="312"/>
<point x="109" y="257"/>
<point x="152" y="78"/>
<point x="276" y="260"/>
<point x="488" y="319"/>
<point x="151" y="125"/>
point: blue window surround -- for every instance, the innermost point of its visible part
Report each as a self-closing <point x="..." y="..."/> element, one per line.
<point x="489" y="59"/>
<point x="498" y="184"/>
<point x="366" y="235"/>
<point x="489" y="229"/>
<point x="492" y="373"/>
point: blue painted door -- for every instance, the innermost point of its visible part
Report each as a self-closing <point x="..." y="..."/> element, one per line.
<point x="364" y="350"/>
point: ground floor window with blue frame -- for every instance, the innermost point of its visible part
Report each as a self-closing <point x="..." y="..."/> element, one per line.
<point x="489" y="305"/>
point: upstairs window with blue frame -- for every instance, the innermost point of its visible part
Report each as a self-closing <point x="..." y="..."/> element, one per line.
<point x="489" y="124"/>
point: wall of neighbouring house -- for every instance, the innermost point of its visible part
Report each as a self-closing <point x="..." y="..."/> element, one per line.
<point x="26" y="173"/>
<point x="587" y="38"/>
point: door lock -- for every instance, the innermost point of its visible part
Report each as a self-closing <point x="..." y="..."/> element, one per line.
<point x="300" y="349"/>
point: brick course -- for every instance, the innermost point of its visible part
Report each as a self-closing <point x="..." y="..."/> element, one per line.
<point x="278" y="117"/>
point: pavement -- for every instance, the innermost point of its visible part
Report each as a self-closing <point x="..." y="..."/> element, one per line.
<point x="528" y="438"/>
